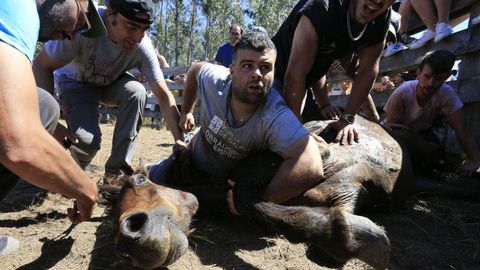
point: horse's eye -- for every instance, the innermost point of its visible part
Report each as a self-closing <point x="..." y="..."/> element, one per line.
<point x="141" y="180"/>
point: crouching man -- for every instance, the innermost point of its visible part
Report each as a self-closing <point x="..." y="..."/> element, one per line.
<point x="240" y="115"/>
<point x="412" y="107"/>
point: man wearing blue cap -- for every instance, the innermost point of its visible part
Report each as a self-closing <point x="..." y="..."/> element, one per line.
<point x="92" y="71"/>
<point x="27" y="150"/>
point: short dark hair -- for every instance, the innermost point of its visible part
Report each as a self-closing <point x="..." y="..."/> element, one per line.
<point x="233" y="25"/>
<point x="440" y="61"/>
<point x="254" y="40"/>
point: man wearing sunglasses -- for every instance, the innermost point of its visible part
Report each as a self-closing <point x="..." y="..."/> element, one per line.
<point x="93" y="71"/>
<point x="27" y="150"/>
<point x="224" y="54"/>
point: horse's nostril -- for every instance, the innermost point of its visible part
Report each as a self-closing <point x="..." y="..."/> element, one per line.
<point x="135" y="222"/>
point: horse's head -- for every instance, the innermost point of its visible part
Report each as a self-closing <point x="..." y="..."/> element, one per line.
<point x="153" y="220"/>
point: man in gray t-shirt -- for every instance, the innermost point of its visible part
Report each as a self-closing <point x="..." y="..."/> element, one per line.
<point x="240" y="115"/>
<point x="92" y="71"/>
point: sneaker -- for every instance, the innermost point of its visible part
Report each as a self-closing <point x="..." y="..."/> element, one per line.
<point x="393" y="48"/>
<point x="8" y="245"/>
<point x="426" y="37"/>
<point x="476" y="20"/>
<point x="442" y="30"/>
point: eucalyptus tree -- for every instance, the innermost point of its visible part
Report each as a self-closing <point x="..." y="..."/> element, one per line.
<point x="270" y="13"/>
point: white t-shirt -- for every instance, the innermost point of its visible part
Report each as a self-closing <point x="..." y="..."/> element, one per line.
<point x="100" y="61"/>
<point x="403" y="103"/>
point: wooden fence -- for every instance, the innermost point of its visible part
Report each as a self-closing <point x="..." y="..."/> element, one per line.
<point x="152" y="110"/>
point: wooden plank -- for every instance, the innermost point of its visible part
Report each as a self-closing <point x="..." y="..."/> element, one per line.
<point x="460" y="43"/>
<point x="469" y="67"/>
<point x="174" y="71"/>
<point x="468" y="89"/>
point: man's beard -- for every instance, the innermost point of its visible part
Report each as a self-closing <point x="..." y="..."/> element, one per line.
<point x="245" y="98"/>
<point x="53" y="17"/>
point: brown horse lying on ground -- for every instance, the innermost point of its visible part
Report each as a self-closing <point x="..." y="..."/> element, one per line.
<point x="369" y="174"/>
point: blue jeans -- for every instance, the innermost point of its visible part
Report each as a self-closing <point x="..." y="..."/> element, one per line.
<point x="162" y="171"/>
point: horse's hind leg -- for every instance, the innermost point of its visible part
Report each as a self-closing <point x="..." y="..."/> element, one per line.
<point x="371" y="244"/>
<point x="338" y="234"/>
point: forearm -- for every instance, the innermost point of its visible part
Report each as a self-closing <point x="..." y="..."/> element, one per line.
<point x="44" y="163"/>
<point x="369" y="109"/>
<point x="170" y="112"/>
<point x="189" y="96"/>
<point x="26" y="148"/>
<point x="294" y="90"/>
<point x="361" y="87"/>
<point x="469" y="145"/>
<point x="43" y="77"/>
<point x="296" y="175"/>
<point x="320" y="92"/>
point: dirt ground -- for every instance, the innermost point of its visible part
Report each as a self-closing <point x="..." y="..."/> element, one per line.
<point x="429" y="232"/>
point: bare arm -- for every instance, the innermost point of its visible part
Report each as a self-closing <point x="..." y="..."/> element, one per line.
<point x="369" y="110"/>
<point x="161" y="60"/>
<point x="320" y="92"/>
<point x="304" y="48"/>
<point x="189" y="97"/>
<point x="168" y="107"/>
<point x="41" y="161"/>
<point x="467" y="141"/>
<point x="43" y="67"/>
<point x="301" y="169"/>
<point x="367" y="72"/>
<point x="395" y="114"/>
<point x="368" y="68"/>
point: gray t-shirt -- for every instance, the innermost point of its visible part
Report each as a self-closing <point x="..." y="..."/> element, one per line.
<point x="219" y="144"/>
<point x="100" y="61"/>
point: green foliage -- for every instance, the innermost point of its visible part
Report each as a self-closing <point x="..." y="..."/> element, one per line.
<point x="270" y="13"/>
<point x="191" y="30"/>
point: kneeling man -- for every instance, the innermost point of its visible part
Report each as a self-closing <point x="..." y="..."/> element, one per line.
<point x="412" y="107"/>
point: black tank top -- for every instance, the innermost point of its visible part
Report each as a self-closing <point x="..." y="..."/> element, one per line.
<point x="329" y="18"/>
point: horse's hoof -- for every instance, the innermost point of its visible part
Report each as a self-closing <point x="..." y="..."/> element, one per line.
<point x="371" y="243"/>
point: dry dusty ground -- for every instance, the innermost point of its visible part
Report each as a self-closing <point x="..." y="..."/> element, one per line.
<point x="428" y="233"/>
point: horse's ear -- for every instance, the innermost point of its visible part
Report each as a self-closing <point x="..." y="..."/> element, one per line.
<point x="108" y="195"/>
<point x="142" y="168"/>
<point x="141" y="162"/>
